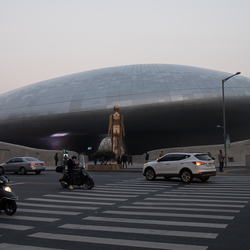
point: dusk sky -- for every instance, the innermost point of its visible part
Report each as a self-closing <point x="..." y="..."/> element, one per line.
<point x="44" y="39"/>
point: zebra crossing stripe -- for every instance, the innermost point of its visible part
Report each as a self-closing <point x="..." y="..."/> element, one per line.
<point x="136" y="186"/>
<point x="56" y="206"/>
<point x="187" y="204"/>
<point x="14" y="227"/>
<point x="182" y="209"/>
<point x="229" y="190"/>
<point x="30" y="218"/>
<point x="201" y="196"/>
<point x="71" y="202"/>
<point x="201" y="216"/>
<point x="104" y="189"/>
<point x="39" y="211"/>
<point x="157" y="222"/>
<point x="200" y="200"/>
<point x="103" y="195"/>
<point x="7" y="246"/>
<point x="117" y="242"/>
<point x="126" y="189"/>
<point x="215" y="194"/>
<point x="140" y="231"/>
<point x="157" y="186"/>
<point x="84" y="198"/>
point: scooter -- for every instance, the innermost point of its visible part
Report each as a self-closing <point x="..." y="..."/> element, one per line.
<point x="7" y="197"/>
<point x="82" y="177"/>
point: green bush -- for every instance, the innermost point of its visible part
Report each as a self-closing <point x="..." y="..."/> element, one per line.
<point x="103" y="156"/>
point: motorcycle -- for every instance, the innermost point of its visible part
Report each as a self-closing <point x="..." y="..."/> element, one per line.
<point x="82" y="177"/>
<point x="7" y="197"/>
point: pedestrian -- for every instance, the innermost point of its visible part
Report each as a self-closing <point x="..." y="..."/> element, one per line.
<point x="146" y="156"/>
<point x="130" y="159"/>
<point x="124" y="160"/>
<point x="56" y="159"/>
<point x="221" y="161"/>
<point x="161" y="154"/>
<point x="65" y="159"/>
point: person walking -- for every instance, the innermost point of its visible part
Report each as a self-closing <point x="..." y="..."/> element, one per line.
<point x="130" y="159"/>
<point x="56" y="159"/>
<point x="221" y="161"/>
<point x="124" y="160"/>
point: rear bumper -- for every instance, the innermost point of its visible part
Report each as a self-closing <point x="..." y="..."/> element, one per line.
<point x="202" y="174"/>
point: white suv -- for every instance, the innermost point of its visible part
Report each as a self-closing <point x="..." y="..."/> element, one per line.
<point x="183" y="165"/>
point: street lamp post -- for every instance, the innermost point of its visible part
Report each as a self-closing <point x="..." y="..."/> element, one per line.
<point x="224" y="115"/>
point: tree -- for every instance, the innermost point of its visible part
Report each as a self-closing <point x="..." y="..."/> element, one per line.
<point x="103" y="156"/>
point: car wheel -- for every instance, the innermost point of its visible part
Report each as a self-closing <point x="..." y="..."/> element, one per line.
<point x="23" y="170"/>
<point x="37" y="171"/>
<point x="150" y="174"/>
<point x="1" y="171"/>
<point x="204" y="178"/>
<point x="186" y="176"/>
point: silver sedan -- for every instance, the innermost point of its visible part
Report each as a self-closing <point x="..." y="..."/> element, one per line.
<point x="22" y="165"/>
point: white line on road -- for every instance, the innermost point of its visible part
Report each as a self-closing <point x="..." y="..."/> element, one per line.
<point x="56" y="206"/>
<point x="157" y="222"/>
<point x="182" y="209"/>
<point x="103" y="195"/>
<point x="7" y="246"/>
<point x="140" y="231"/>
<point x="18" y="217"/>
<point x="84" y="198"/>
<point x="71" y="202"/>
<point x="200" y="200"/>
<point x="201" y="196"/>
<point x="47" y="211"/>
<point x="14" y="227"/>
<point x="118" y="242"/>
<point x="186" y="204"/>
<point x="177" y="215"/>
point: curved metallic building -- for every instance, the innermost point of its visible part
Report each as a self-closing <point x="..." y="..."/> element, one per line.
<point x="163" y="106"/>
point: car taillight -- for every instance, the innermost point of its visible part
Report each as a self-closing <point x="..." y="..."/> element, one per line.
<point x="33" y="164"/>
<point x="198" y="163"/>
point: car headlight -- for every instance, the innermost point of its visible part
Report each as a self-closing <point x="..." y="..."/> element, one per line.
<point x="8" y="189"/>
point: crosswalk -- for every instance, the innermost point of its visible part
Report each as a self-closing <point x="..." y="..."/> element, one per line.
<point x="131" y="214"/>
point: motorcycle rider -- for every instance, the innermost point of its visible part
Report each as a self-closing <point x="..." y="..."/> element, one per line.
<point x="71" y="166"/>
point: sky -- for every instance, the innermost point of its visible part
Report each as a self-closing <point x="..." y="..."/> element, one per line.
<point x="44" y="39"/>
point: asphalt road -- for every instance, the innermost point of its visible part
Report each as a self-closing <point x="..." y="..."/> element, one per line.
<point x="125" y="211"/>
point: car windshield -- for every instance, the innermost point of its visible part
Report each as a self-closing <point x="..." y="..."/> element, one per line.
<point x="203" y="157"/>
<point x="31" y="159"/>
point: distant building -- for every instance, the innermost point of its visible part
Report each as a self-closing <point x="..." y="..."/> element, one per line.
<point x="163" y="105"/>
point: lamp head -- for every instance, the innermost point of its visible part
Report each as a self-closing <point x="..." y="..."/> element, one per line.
<point x="238" y="73"/>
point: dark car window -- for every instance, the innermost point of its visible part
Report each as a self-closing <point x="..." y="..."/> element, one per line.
<point x="18" y="159"/>
<point x="174" y="157"/>
<point x="167" y="158"/>
<point x="12" y="160"/>
<point x="179" y="157"/>
<point x="30" y="159"/>
<point x="203" y="157"/>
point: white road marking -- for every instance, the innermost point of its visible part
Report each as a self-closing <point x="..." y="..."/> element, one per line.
<point x="157" y="222"/>
<point x="140" y="231"/>
<point x="201" y="216"/>
<point x="117" y="242"/>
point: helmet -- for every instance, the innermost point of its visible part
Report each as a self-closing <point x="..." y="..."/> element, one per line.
<point x="74" y="157"/>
